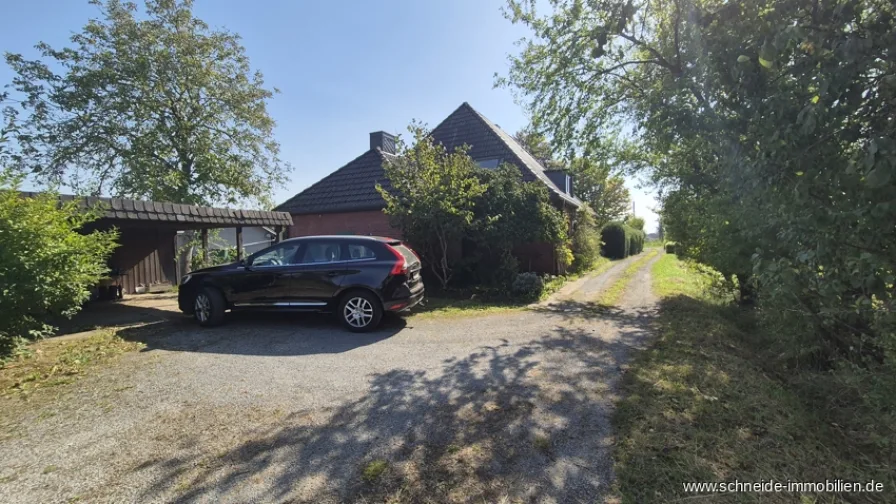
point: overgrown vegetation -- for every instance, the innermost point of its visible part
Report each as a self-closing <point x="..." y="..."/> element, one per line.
<point x="709" y="401"/>
<point x="585" y="242"/>
<point x="767" y="125"/>
<point x="47" y="266"/>
<point x="464" y="220"/>
<point x="50" y="363"/>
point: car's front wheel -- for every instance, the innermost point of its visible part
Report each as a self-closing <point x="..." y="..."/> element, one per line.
<point x="360" y="311"/>
<point x="208" y="307"/>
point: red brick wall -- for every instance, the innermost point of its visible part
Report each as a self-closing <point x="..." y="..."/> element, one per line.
<point x="373" y="222"/>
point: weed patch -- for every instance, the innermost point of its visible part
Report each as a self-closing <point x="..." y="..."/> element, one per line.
<point x="373" y="470"/>
<point x="50" y="363"/>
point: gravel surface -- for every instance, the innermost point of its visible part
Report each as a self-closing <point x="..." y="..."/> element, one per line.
<point x="290" y="408"/>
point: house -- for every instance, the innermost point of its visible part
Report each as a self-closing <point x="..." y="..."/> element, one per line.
<point x="346" y="201"/>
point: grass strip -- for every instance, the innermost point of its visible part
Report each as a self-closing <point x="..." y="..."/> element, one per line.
<point x="611" y="295"/>
<point x="706" y="403"/>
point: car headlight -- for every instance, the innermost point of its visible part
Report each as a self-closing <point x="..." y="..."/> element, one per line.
<point x="186" y="279"/>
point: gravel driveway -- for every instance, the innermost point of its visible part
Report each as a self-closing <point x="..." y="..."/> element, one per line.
<point x="506" y="407"/>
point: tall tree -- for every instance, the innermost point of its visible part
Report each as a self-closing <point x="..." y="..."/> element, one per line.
<point x="538" y="145"/>
<point x="148" y="103"/>
<point x="605" y="192"/>
<point x="767" y="125"/>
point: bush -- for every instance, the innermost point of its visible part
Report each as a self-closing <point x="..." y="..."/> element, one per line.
<point x="636" y="239"/>
<point x="585" y="242"/>
<point x="527" y="286"/>
<point x="621" y="241"/>
<point x="615" y="241"/>
<point x="46" y="266"/>
<point x="670" y="248"/>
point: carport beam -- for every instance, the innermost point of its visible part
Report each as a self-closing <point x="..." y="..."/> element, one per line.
<point x="204" y="247"/>
<point x="239" y="243"/>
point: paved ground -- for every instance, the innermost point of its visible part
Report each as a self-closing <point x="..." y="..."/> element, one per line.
<point x="507" y="407"/>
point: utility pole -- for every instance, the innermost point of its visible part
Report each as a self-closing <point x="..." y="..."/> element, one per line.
<point x="633" y="209"/>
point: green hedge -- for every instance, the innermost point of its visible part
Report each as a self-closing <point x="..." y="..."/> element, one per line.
<point x="636" y="239"/>
<point x="670" y="248"/>
<point x="621" y="241"/>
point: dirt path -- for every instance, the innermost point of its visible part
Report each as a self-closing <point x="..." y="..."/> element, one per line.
<point x="509" y="406"/>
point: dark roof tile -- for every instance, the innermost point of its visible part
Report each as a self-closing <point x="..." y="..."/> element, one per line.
<point x="127" y="209"/>
<point x="353" y="187"/>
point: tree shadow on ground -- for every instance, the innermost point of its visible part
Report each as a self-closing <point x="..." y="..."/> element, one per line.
<point x="506" y="422"/>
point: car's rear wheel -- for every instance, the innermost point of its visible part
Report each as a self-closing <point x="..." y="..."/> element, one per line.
<point x="208" y="307"/>
<point x="360" y="311"/>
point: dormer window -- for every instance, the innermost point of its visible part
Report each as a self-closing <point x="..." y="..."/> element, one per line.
<point x="489" y="164"/>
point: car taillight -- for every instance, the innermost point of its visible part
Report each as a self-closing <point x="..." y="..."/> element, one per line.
<point x="413" y="252"/>
<point x="401" y="265"/>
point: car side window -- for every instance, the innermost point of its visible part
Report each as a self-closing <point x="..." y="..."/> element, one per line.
<point x="277" y="256"/>
<point x="359" y="251"/>
<point x="321" y="251"/>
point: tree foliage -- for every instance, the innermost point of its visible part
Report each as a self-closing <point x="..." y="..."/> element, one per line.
<point x="594" y="182"/>
<point x="508" y="214"/>
<point x="148" y="103"/>
<point x="432" y="198"/>
<point x="46" y="265"/>
<point x="635" y="222"/>
<point x="585" y="241"/>
<point x="443" y="201"/>
<point x="768" y="127"/>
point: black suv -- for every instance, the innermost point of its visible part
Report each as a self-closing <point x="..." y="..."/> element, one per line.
<point x="357" y="277"/>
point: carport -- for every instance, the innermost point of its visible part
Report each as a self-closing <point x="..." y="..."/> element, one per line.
<point x="146" y="254"/>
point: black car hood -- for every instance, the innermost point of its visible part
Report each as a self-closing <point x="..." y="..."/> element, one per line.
<point x="222" y="267"/>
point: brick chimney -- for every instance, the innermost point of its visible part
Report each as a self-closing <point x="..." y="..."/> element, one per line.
<point x="383" y="141"/>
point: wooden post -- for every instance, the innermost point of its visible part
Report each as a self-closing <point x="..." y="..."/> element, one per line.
<point x="205" y="247"/>
<point x="239" y="243"/>
<point x="278" y="234"/>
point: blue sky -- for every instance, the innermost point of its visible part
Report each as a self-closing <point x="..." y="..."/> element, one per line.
<point x="344" y="69"/>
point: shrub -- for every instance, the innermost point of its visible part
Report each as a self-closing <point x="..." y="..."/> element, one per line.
<point x="621" y="241"/>
<point x="527" y="286"/>
<point x="635" y="241"/>
<point x="615" y="241"/>
<point x="46" y="266"/>
<point x="670" y="248"/>
<point x="585" y="242"/>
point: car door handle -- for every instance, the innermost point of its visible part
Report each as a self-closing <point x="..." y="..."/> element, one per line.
<point x="332" y="273"/>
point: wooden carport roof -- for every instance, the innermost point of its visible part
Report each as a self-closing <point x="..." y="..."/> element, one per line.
<point x="185" y="216"/>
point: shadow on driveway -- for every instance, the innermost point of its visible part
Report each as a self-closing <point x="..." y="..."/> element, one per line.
<point x="261" y="333"/>
<point x="505" y="422"/>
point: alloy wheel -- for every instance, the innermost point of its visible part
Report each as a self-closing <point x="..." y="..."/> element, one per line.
<point x="202" y="307"/>
<point x="358" y="312"/>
